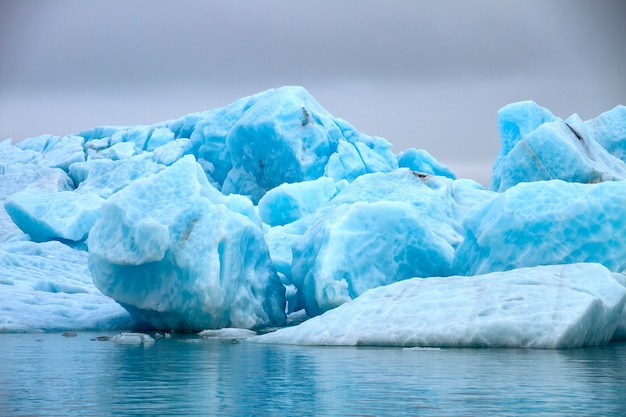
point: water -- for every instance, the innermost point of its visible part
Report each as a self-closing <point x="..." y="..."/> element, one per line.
<point x="52" y="375"/>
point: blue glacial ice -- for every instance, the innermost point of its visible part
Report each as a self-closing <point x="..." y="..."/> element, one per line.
<point x="548" y="222"/>
<point x="538" y="146"/>
<point x="170" y="250"/>
<point x="381" y="228"/>
<point x="237" y="216"/>
<point x="62" y="215"/>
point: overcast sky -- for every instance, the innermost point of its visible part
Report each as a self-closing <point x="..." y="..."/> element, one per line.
<point x="423" y="74"/>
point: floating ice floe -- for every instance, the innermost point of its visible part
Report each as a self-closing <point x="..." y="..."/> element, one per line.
<point x="557" y="306"/>
<point x="227" y="333"/>
<point x="129" y="338"/>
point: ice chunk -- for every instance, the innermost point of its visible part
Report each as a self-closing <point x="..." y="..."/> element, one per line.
<point x="290" y="202"/>
<point x="229" y="333"/>
<point x="419" y="160"/>
<point x="12" y="155"/>
<point x="548" y="222"/>
<point x="176" y="257"/>
<point x="48" y="287"/>
<point x="128" y="338"/>
<point x="159" y="137"/>
<point x="285" y="136"/>
<point x="542" y="147"/>
<point x="119" y="151"/>
<point x="61" y="152"/>
<point x="46" y="151"/>
<point x="557" y="306"/>
<point x="366" y="245"/>
<point x="609" y="130"/>
<point x="54" y="215"/>
<point x="515" y="121"/>
<point x="106" y="177"/>
<point x="345" y="163"/>
<point x="172" y="151"/>
<point x="382" y="228"/>
<point x="17" y="177"/>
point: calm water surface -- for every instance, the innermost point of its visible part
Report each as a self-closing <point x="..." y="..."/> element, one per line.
<point x="52" y="375"/>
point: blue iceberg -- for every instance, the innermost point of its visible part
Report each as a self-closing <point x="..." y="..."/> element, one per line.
<point x="170" y="250"/>
<point x="539" y="146"/>
<point x="270" y="210"/>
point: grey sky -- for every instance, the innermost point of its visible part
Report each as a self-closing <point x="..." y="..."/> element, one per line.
<point x="426" y="74"/>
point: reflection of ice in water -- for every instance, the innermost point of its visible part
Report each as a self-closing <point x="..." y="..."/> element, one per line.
<point x="252" y="379"/>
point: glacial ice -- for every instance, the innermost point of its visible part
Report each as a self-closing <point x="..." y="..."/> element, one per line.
<point x="381" y="228"/>
<point x="291" y="201"/>
<point x="47" y="287"/>
<point x="169" y="249"/>
<point x="62" y="215"/>
<point x="232" y="217"/>
<point x="548" y="222"/>
<point x="538" y="146"/>
<point x="556" y="306"/>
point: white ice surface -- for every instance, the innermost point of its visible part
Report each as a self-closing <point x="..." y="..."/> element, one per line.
<point x="47" y="287"/>
<point x="561" y="306"/>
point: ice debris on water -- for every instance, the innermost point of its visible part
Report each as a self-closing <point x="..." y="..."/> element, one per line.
<point x="227" y="333"/>
<point x="129" y="338"/>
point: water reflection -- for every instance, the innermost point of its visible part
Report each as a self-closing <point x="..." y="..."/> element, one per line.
<point x="183" y="377"/>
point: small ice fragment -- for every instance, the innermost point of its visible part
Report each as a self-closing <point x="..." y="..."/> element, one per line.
<point x="227" y="333"/>
<point x="132" y="338"/>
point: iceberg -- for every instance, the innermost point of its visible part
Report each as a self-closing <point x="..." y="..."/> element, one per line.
<point x="269" y="210"/>
<point x="556" y="306"/>
<point x="169" y="249"/>
<point x="538" y="146"/>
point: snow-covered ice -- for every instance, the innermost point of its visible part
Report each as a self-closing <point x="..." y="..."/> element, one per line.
<point x="556" y="306"/>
